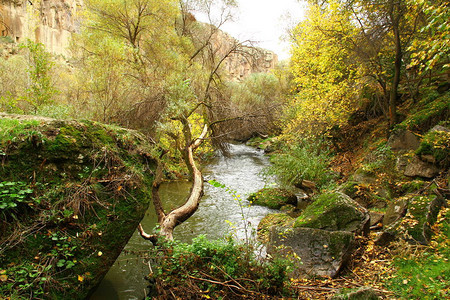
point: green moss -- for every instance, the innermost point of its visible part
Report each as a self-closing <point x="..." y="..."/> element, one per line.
<point x="92" y="185"/>
<point x="332" y="211"/>
<point x="434" y="108"/>
<point x="273" y="198"/>
<point x="436" y="144"/>
<point x="270" y="220"/>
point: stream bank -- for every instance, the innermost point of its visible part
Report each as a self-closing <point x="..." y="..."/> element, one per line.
<point x="240" y="172"/>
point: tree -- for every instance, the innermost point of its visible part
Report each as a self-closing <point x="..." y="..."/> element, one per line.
<point x="378" y="42"/>
<point x="170" y="69"/>
<point x="324" y="75"/>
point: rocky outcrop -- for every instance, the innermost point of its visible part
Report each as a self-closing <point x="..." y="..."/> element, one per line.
<point x="50" y="22"/>
<point x="76" y="193"/>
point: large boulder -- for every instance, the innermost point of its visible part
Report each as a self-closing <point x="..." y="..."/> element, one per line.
<point x="273" y="198"/>
<point x="72" y="194"/>
<point x="403" y="140"/>
<point x="335" y="212"/>
<point x="418" y="168"/>
<point x="413" y="214"/>
<point x="321" y="252"/>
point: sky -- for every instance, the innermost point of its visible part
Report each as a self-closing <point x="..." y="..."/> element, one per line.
<point x="266" y="22"/>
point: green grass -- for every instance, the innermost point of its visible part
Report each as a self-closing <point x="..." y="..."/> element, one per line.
<point x="425" y="274"/>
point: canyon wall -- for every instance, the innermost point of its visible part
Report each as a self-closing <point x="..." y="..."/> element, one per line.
<point x="50" y="22"/>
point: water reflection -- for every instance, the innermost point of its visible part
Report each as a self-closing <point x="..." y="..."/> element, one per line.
<point x="240" y="172"/>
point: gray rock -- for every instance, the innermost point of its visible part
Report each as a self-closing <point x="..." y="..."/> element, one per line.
<point x="363" y="293"/>
<point x="321" y="252"/>
<point x="335" y="211"/>
<point x="439" y="128"/>
<point x="403" y="140"/>
<point x="395" y="210"/>
<point x="419" y="168"/>
<point x="375" y="218"/>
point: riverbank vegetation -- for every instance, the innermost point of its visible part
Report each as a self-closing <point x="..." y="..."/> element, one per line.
<point x="362" y="108"/>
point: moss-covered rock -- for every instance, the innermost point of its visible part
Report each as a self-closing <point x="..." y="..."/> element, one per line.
<point x="334" y="211"/>
<point x="273" y="198"/>
<point x="76" y="193"/>
<point x="270" y="220"/>
<point x="422" y="214"/>
<point x="435" y="147"/>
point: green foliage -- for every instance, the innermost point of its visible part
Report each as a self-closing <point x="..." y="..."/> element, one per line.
<point x="305" y="160"/>
<point x="41" y="90"/>
<point x="425" y="273"/>
<point x="436" y="144"/>
<point x="6" y="40"/>
<point x="380" y="159"/>
<point x="12" y="194"/>
<point x="190" y="270"/>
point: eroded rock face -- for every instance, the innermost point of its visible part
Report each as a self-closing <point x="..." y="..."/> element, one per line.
<point x="335" y="212"/>
<point x="321" y="252"/>
<point x="50" y="22"/>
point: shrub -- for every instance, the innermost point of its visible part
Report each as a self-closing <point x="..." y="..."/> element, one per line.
<point x="217" y="269"/>
<point x="306" y="160"/>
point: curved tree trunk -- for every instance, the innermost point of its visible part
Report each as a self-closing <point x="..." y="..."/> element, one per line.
<point x="169" y="221"/>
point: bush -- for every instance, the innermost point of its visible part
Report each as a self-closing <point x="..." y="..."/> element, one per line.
<point x="306" y="160"/>
<point x="217" y="269"/>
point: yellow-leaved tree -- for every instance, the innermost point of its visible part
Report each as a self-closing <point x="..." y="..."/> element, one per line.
<point x="324" y="76"/>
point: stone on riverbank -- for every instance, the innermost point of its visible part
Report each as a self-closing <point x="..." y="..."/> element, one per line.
<point x="273" y="198"/>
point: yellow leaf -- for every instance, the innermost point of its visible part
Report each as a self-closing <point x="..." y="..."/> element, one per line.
<point x="100" y="253"/>
<point x="119" y="188"/>
<point x="80" y="278"/>
<point x="3" y="278"/>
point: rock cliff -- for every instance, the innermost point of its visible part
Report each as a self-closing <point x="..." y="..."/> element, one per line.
<point x="50" y="22"/>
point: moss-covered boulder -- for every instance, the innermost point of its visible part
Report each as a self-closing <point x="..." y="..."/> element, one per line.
<point x="273" y="198"/>
<point x="319" y="252"/>
<point x="270" y="220"/>
<point x="422" y="214"/>
<point x="71" y="195"/>
<point x="335" y="211"/>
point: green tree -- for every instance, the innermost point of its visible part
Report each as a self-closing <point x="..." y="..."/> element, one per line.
<point x="41" y="89"/>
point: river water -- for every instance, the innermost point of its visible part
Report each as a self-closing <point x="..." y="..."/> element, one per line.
<point x="219" y="214"/>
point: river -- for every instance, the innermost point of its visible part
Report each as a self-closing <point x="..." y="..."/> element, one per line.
<point x="218" y="209"/>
